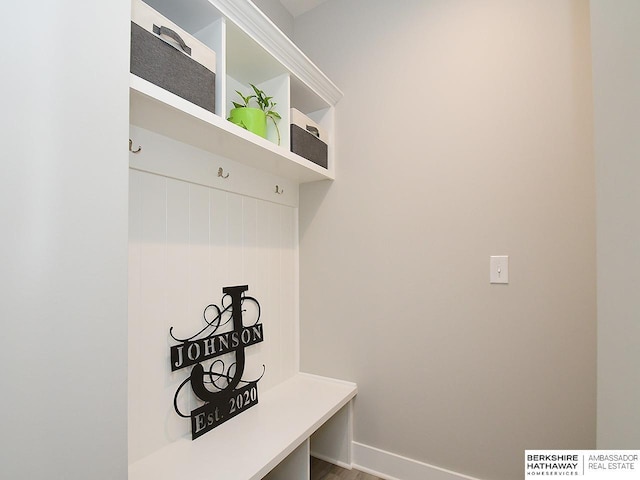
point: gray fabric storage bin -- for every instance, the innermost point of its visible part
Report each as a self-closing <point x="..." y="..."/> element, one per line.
<point x="308" y="146"/>
<point x="308" y="139"/>
<point x="164" y="64"/>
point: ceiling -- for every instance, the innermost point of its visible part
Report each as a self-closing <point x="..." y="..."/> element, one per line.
<point x="298" y="7"/>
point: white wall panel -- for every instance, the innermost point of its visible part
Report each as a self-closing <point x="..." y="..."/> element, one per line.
<point x="615" y="41"/>
<point x="288" y="292"/>
<point x="273" y="285"/>
<point x="63" y="249"/>
<point x="187" y="242"/>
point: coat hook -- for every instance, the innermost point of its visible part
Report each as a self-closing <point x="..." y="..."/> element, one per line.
<point x="131" y="147"/>
<point x="221" y="173"/>
<point x="279" y="190"/>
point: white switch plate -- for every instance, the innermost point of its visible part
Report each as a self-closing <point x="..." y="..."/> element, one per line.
<point x="499" y="269"/>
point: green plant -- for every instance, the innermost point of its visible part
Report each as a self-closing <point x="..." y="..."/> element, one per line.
<point x="266" y="104"/>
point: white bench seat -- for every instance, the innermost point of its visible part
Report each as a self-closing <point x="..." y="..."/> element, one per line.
<point x="250" y="445"/>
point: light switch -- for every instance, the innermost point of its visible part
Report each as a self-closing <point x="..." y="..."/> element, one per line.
<point x="499" y="269"/>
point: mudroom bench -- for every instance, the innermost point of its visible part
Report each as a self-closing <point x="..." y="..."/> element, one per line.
<point x="272" y="440"/>
<point x="213" y="205"/>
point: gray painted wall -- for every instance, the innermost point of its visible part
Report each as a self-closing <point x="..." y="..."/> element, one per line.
<point x="63" y="205"/>
<point x="465" y="131"/>
<point x="616" y="76"/>
<point x="277" y="14"/>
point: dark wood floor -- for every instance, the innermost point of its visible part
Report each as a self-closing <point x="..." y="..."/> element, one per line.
<point x="321" y="470"/>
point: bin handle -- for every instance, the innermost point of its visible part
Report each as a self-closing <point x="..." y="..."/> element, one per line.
<point x="171" y="34"/>
<point x="313" y="130"/>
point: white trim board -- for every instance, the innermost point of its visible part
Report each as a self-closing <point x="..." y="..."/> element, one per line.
<point x="390" y="466"/>
<point x="325" y="458"/>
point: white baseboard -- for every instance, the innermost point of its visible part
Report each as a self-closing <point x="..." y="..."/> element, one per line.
<point x="347" y="466"/>
<point x="395" y="467"/>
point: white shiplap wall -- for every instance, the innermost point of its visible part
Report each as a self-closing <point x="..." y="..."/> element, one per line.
<point x="187" y="242"/>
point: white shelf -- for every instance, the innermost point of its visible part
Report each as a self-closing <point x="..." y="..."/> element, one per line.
<point x="249" y="49"/>
<point x="155" y="109"/>
<point x="250" y="445"/>
<point x="195" y="15"/>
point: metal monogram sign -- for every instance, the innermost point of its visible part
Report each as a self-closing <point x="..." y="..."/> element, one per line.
<point x="221" y="387"/>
